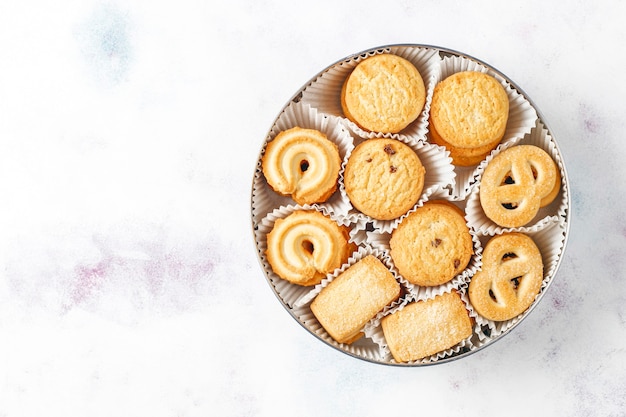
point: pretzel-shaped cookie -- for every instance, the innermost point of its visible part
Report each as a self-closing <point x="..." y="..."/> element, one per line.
<point x="510" y="278"/>
<point x="516" y="183"/>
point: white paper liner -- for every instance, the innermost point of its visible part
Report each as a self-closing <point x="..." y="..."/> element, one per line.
<point x="375" y="332"/>
<point x="324" y="93"/>
<point x="288" y="292"/>
<point x="381" y="241"/>
<point x="305" y="116"/>
<point x="555" y="211"/>
<point x="361" y="226"/>
<point x="550" y="240"/>
<point x="522" y="116"/>
<point x="439" y="174"/>
<point x="364" y="346"/>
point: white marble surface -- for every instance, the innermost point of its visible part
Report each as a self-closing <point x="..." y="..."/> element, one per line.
<point x="129" y="281"/>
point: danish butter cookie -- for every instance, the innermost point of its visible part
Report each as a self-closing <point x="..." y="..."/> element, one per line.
<point x="464" y="157"/>
<point x="516" y="183"/>
<point x="510" y="277"/>
<point x="384" y="93"/>
<point x="354" y="297"/>
<point x="468" y="115"/>
<point x="302" y="163"/>
<point x="432" y="244"/>
<point x="424" y="328"/>
<point x="384" y="178"/>
<point x="305" y="246"/>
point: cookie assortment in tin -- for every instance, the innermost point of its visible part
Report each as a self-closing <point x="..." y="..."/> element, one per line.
<point x="320" y="105"/>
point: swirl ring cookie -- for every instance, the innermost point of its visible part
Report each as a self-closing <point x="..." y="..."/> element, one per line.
<point x="384" y="93"/>
<point x="354" y="297"/>
<point x="432" y="244"/>
<point x="516" y="183"/>
<point x="468" y="115"/>
<point x="305" y="246"/>
<point x="510" y="278"/>
<point x="302" y="163"/>
<point x="383" y="178"/>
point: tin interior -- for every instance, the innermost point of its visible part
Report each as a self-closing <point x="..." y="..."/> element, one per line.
<point x="443" y="52"/>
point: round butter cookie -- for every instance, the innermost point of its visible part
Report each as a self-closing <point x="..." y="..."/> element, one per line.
<point x="384" y="178"/>
<point x="302" y="163"/>
<point x="384" y="93"/>
<point x="305" y="246"/>
<point x="463" y="157"/>
<point x="468" y="115"/>
<point x="432" y="244"/>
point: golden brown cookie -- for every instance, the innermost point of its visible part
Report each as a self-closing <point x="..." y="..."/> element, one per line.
<point x="516" y="183"/>
<point x="549" y="198"/>
<point x="384" y="178"/>
<point x="468" y="115"/>
<point x="432" y="244"/>
<point x="463" y="156"/>
<point x="305" y="246"/>
<point x="384" y="93"/>
<point x="354" y="297"/>
<point x="510" y="277"/>
<point x="424" y="328"/>
<point x="303" y="164"/>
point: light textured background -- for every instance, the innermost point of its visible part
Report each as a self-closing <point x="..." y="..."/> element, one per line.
<point x="130" y="286"/>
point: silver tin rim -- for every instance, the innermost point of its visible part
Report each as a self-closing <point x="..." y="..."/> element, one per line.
<point x="445" y="52"/>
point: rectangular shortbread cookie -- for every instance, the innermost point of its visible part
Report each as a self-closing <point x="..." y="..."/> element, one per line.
<point x="423" y="328"/>
<point x="354" y="297"/>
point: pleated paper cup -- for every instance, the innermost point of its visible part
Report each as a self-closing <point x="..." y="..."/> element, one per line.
<point x="439" y="174"/>
<point x="550" y="240"/>
<point x="287" y="292"/>
<point x="521" y="119"/>
<point x="380" y="239"/>
<point x="364" y="347"/>
<point x="324" y="92"/>
<point x="374" y="331"/>
<point x="307" y="117"/>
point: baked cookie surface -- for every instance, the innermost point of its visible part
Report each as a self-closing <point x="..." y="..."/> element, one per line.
<point x="432" y="244"/>
<point x="516" y="183"/>
<point x="384" y="93"/>
<point x="354" y="297"/>
<point x="468" y="115"/>
<point x="302" y="163"/>
<point x="424" y="328"/>
<point x="384" y="178"/>
<point x="305" y="246"/>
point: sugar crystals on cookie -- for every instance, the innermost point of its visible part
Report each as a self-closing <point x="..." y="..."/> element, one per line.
<point x="468" y="115"/>
<point x="423" y="328"/>
<point x="354" y="297"/>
